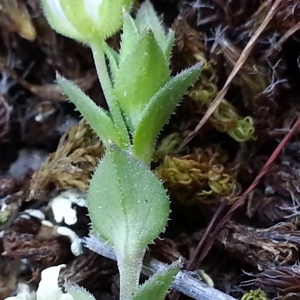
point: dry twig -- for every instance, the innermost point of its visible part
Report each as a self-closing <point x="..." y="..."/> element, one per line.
<point x="185" y="282"/>
<point x="243" y="57"/>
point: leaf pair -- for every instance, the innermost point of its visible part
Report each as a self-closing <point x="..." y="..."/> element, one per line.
<point x="154" y="288"/>
<point x="141" y="82"/>
<point x="144" y="54"/>
<point x="129" y="208"/>
<point x="141" y="79"/>
<point x="127" y="203"/>
<point x="131" y="200"/>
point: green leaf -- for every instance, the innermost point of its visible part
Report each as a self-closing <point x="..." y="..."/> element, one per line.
<point x="147" y="17"/>
<point x="113" y="59"/>
<point x="157" y="286"/>
<point x="127" y="203"/>
<point x="169" y="44"/>
<point x="79" y="293"/>
<point x="130" y="36"/>
<point x="141" y="74"/>
<point x="96" y="117"/>
<point x="159" y="110"/>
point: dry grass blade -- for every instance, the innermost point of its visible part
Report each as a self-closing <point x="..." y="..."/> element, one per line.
<point x="282" y="279"/>
<point x="5" y="111"/>
<point x="277" y="47"/>
<point x="263" y="248"/>
<point x="243" y="57"/>
<point x="50" y="91"/>
<point x="185" y="282"/>
<point x="244" y="196"/>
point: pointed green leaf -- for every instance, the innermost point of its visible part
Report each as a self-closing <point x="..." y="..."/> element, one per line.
<point x="147" y="17"/>
<point x="127" y="203"/>
<point x="113" y="59"/>
<point x="96" y="117"/>
<point x="157" y="286"/>
<point x="169" y="44"/>
<point x="79" y="293"/>
<point x="141" y="74"/>
<point x="159" y="110"/>
<point x="130" y="36"/>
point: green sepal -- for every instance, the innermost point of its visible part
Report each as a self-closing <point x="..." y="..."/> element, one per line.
<point x="158" y="111"/>
<point x="86" y="21"/>
<point x="130" y="36"/>
<point x="95" y="116"/>
<point x="111" y="15"/>
<point x="60" y="23"/>
<point x="127" y="203"/>
<point x="147" y="17"/>
<point x="77" y="16"/>
<point x="79" y="293"/>
<point x="101" y="23"/>
<point x="141" y="74"/>
<point x="157" y="286"/>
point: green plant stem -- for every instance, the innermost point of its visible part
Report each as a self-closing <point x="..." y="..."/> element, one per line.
<point x="97" y="48"/>
<point x="130" y="267"/>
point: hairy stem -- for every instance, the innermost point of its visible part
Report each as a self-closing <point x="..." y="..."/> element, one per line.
<point x="130" y="267"/>
<point x="97" y="48"/>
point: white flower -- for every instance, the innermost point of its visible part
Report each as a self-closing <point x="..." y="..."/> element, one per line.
<point x="85" y="20"/>
<point x="23" y="293"/>
<point x="48" y="288"/>
<point x="36" y="213"/>
<point x="76" y="245"/>
<point x="47" y="223"/>
<point x="58" y="20"/>
<point x="62" y="206"/>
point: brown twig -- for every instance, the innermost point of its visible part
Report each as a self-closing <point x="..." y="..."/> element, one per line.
<point x="50" y="91"/>
<point x="184" y="281"/>
<point x="277" y="47"/>
<point x="193" y="258"/>
<point x="243" y="57"/>
<point x="241" y="201"/>
<point x="213" y="106"/>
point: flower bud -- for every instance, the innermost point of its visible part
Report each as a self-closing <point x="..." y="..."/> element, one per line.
<point x="85" y="20"/>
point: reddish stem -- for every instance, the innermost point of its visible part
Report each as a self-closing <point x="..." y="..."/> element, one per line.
<point x="194" y="263"/>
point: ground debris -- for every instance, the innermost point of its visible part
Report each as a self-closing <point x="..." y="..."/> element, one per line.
<point x="71" y="165"/>
<point x="257" y="246"/>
